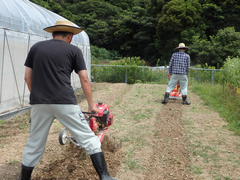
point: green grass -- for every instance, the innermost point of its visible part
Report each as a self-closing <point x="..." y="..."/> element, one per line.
<point x="221" y="100"/>
<point x="132" y="164"/>
<point x="1" y="122"/>
<point x="14" y="161"/>
<point x="196" y="170"/>
<point x="23" y="126"/>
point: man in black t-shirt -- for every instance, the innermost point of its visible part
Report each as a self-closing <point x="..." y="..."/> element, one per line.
<point x="49" y="65"/>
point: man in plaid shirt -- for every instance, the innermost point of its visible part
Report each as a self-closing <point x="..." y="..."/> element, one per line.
<point x="179" y="68"/>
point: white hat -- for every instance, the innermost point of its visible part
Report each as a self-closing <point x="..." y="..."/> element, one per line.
<point x="64" y="26"/>
<point x="181" y="46"/>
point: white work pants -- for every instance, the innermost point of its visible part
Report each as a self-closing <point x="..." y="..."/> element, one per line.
<point x="71" y="116"/>
<point x="183" y="81"/>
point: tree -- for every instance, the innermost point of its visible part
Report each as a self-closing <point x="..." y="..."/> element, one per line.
<point x="219" y="14"/>
<point x="151" y="29"/>
<point x="231" y="9"/>
<point x="178" y="22"/>
<point x="227" y="43"/>
<point x="213" y="17"/>
<point x="215" y="51"/>
<point x="97" y="18"/>
<point x="123" y="4"/>
<point x="126" y="29"/>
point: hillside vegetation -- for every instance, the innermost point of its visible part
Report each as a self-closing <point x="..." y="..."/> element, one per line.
<point x="152" y="29"/>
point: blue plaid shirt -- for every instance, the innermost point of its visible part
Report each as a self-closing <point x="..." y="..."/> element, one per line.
<point x="179" y="63"/>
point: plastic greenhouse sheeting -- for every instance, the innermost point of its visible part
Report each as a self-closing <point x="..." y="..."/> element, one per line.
<point x="21" y="25"/>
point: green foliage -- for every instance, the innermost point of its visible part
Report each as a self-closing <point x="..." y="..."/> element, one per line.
<point x="232" y="71"/>
<point x="202" y="51"/>
<point x="231" y="13"/>
<point x="130" y="73"/>
<point x="222" y="101"/>
<point x="152" y="29"/>
<point x="227" y="43"/>
<point x="205" y="66"/>
<point x="1" y="122"/>
<point x="213" y="18"/>
<point x="14" y="161"/>
<point x="214" y="52"/>
<point x="130" y="61"/>
<point x="42" y="3"/>
<point x="98" y="19"/>
<point x="108" y="74"/>
<point x="128" y="31"/>
<point x="178" y="22"/>
<point x="158" y="62"/>
<point x="205" y="76"/>
<point x="98" y="54"/>
<point x="123" y="4"/>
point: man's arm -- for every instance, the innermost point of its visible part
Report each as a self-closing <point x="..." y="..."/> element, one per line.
<point x="87" y="90"/>
<point x="28" y="77"/>
<point x="188" y="64"/>
<point x="170" y="65"/>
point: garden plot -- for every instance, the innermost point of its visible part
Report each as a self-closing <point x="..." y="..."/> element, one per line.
<point x="169" y="141"/>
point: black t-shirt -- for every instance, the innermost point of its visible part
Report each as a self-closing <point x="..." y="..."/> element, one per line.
<point x="52" y="62"/>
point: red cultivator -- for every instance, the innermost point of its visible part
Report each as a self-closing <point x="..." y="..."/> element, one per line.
<point x="176" y="93"/>
<point x="98" y="123"/>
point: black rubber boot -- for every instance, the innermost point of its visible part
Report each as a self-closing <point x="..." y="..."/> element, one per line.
<point x="166" y="98"/>
<point x="185" y="102"/>
<point x="26" y="173"/>
<point x="100" y="165"/>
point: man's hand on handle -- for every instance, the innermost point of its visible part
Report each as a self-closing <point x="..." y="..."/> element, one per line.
<point x="94" y="110"/>
<point x="86" y="86"/>
<point x="169" y="76"/>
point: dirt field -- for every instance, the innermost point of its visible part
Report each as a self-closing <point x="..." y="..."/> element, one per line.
<point x="158" y="141"/>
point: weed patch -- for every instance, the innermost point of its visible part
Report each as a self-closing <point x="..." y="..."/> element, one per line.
<point x="222" y="101"/>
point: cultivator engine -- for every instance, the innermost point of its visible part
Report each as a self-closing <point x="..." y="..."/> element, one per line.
<point x="176" y="92"/>
<point x="99" y="124"/>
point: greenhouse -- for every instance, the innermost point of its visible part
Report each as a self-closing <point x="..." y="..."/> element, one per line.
<point x="21" y="25"/>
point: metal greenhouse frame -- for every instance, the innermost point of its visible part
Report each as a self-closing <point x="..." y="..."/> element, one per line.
<point x="21" y="25"/>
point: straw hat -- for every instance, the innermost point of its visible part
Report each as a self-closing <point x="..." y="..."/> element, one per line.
<point x="65" y="26"/>
<point x="181" y="46"/>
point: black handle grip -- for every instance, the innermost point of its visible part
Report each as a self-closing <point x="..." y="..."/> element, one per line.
<point x="86" y="112"/>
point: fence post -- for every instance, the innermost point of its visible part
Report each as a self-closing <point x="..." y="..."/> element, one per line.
<point x="126" y="77"/>
<point x="212" y="77"/>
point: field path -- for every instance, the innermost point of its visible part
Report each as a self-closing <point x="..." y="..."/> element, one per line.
<point x="159" y="142"/>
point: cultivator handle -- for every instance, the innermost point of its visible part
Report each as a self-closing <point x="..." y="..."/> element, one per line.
<point x="86" y="112"/>
<point x="169" y="76"/>
<point x="90" y="115"/>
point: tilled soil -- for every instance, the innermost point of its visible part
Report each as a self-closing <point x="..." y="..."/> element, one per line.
<point x="169" y="141"/>
<point x="170" y="155"/>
